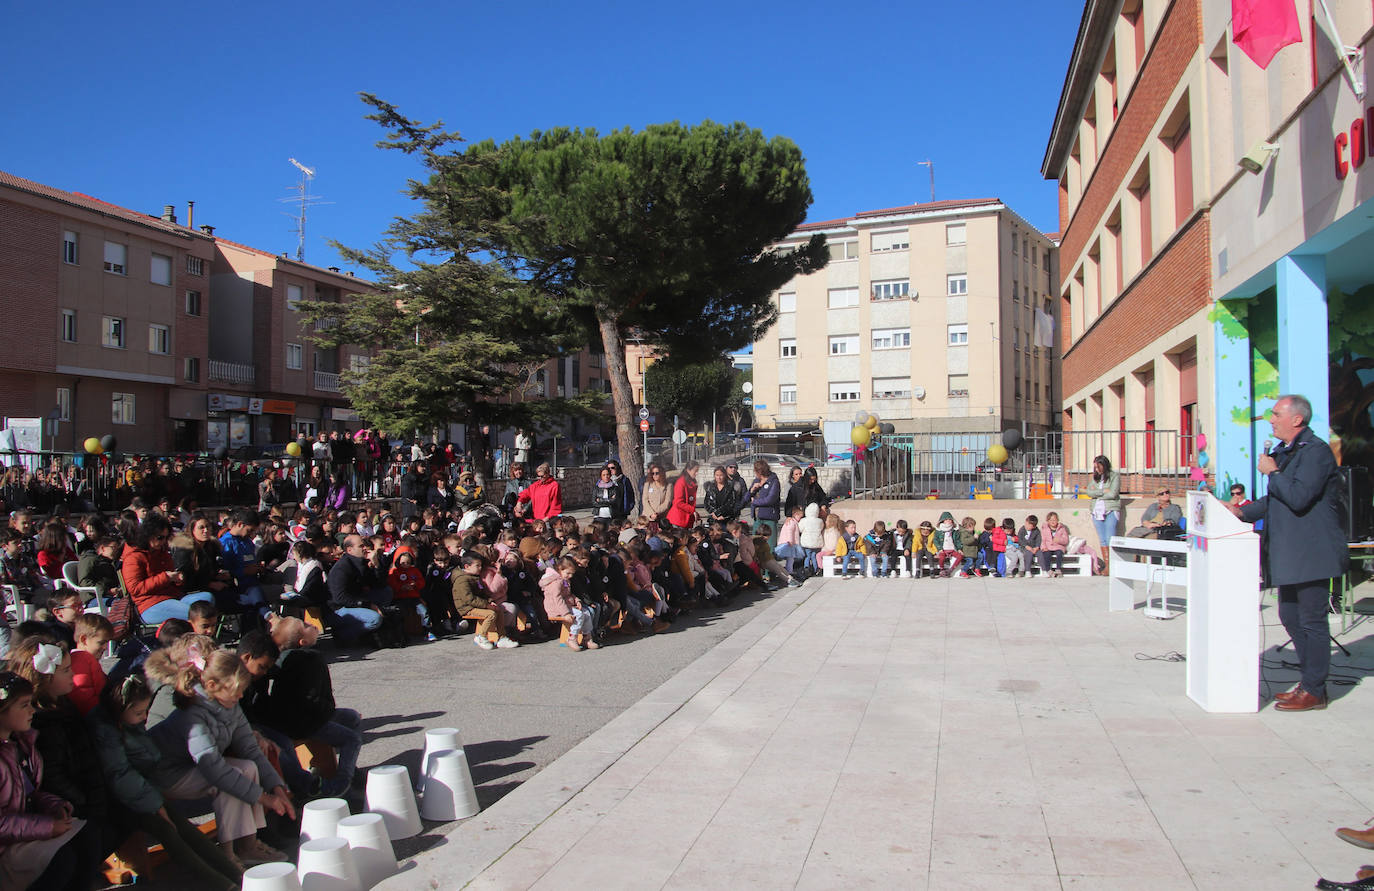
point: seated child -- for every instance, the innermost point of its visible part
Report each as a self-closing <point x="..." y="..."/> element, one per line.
<point x="878" y="545"/>
<point x="997" y="541"/>
<point x="93" y="632"/>
<point x="924" y="551"/>
<point x="96" y="567"/>
<point x="968" y="548"/>
<point x="19" y="569"/>
<point x="470" y="599"/>
<point x="901" y="548"/>
<point x="767" y="558"/>
<point x="562" y="607"/>
<point x="204" y="618"/>
<point x="41" y="845"/>
<point x="948" y="553"/>
<point x="407" y="583"/>
<point x="1028" y="537"/>
<point x="64" y="605"/>
<point x="987" y="557"/>
<point x="789" y="549"/>
<point x="1013" y="559"/>
<point x="208" y="748"/>
<point x="853" y="549"/>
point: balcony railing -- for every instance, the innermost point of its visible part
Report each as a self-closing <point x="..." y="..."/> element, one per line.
<point x="327" y="381"/>
<point x="232" y="372"/>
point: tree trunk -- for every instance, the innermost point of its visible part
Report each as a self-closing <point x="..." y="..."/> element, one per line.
<point x="622" y="398"/>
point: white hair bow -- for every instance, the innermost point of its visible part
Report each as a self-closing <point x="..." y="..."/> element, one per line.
<point x="47" y="658"/>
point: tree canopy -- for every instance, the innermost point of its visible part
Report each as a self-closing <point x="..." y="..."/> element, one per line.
<point x="691" y="390"/>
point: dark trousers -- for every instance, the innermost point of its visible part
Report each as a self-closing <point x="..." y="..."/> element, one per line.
<point x="188" y="846"/>
<point x="1302" y="609"/>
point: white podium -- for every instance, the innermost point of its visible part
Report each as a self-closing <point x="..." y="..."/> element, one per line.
<point x="1223" y="608"/>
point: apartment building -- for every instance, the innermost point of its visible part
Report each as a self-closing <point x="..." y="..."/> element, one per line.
<point x="936" y="317"/>
<point x="268" y="381"/>
<point x="1210" y="210"/>
<point x="105" y="326"/>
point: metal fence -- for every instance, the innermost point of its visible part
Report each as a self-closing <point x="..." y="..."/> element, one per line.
<point x="1050" y="465"/>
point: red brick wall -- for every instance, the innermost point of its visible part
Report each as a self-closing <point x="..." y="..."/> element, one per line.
<point x="1179" y="36"/>
<point x="1174" y="287"/>
<point x="30" y="249"/>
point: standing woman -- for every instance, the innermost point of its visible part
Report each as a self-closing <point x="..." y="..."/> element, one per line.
<point x="764" y="495"/>
<point x="814" y="494"/>
<point x="796" y="491"/>
<point x="721" y="503"/>
<point x="627" y="491"/>
<point x="683" y="512"/>
<point x="657" y="496"/>
<point x="1105" y="490"/>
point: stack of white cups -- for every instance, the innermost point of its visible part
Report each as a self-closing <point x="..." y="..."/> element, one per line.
<point x="326" y="864"/>
<point x="320" y="818"/>
<point x="389" y="793"/>
<point x="372" y="852"/>
<point x="437" y="740"/>
<point x="449" y="793"/>
<point x="271" y="877"/>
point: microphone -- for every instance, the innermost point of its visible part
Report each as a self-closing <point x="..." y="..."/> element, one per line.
<point x="1268" y="444"/>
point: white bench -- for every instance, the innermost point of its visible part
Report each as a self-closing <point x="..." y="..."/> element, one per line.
<point x="1156" y="567"/>
<point x="1074" y="564"/>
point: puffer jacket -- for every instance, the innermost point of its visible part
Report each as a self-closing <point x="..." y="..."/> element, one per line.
<point x="198" y="735"/>
<point x="18" y="824"/>
<point x="145" y="575"/>
<point x="811" y="530"/>
<point x="132" y="762"/>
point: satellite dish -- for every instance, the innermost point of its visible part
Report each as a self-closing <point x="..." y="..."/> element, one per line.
<point x="918" y="392"/>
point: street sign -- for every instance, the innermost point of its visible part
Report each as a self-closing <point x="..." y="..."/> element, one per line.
<point x="760" y="406"/>
<point x="679" y="436"/>
<point x="644" y="425"/>
<point x="644" y="413"/>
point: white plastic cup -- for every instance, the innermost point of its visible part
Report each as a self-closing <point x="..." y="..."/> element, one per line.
<point x="437" y="739"/>
<point x="449" y="793"/>
<point x="326" y="864"/>
<point x="271" y="877"/>
<point x="320" y="818"/>
<point x="372" y="852"/>
<point x="389" y="794"/>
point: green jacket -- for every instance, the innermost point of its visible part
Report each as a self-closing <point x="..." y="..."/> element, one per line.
<point x="131" y="761"/>
<point x="1109" y="490"/>
<point x="468" y="593"/>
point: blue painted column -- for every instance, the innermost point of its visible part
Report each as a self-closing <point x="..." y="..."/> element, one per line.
<point x="1302" y="321"/>
<point x="1231" y="445"/>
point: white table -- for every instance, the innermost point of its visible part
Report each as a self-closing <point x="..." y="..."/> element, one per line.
<point x="1124" y="570"/>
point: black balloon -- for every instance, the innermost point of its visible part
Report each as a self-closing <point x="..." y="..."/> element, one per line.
<point x="107" y="442"/>
<point x="304" y="444"/>
<point x="886" y="427"/>
<point x="221" y="452"/>
<point x="1011" y="438"/>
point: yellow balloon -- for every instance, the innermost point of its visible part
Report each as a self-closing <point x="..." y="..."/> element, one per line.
<point x="293" y="449"/>
<point x="872" y="422"/>
<point x="997" y="453"/>
<point x="860" y="436"/>
<point x="93" y="446"/>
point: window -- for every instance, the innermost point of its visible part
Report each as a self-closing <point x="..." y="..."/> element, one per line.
<point x="112" y="332"/>
<point x="69" y="254"/>
<point x="891" y="388"/>
<point x="958" y="385"/>
<point x="958" y="335"/>
<point x="359" y="364"/>
<point x="159" y="339"/>
<point x="192" y="369"/>
<point x="116" y="255"/>
<point x="847" y="391"/>
<point x="1047" y="261"/>
<point x="195" y="265"/>
<point x="841" y="298"/>
<point x="955" y="233"/>
<point x="844" y="250"/>
<point x="787" y="394"/>
<point x="193" y="303"/>
<point x="69" y="325"/>
<point x="844" y="344"/>
<point x="122" y="405"/>
<point x="958" y="284"/>
<point x="787" y="301"/>
<point x="891" y="289"/>
<point x="160" y="270"/>
<point x="295" y="357"/>
<point x="787" y="347"/>
<point x="891" y="338"/>
<point x="294" y="295"/>
<point x="64" y="403"/>
<point x="1014" y="244"/>
<point x="891" y="241"/>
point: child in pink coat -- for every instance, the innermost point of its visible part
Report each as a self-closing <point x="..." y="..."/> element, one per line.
<point x="561" y="606"/>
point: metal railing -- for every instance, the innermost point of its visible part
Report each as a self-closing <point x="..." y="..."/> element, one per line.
<point x="1052" y="465"/>
<point x="232" y="372"/>
<point x="328" y="381"/>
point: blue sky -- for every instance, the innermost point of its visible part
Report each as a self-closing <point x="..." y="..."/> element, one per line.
<point x="147" y="104"/>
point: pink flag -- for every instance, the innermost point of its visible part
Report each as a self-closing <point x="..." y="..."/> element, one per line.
<point x="1263" y="27"/>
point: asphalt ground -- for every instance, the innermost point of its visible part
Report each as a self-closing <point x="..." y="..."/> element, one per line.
<point x="517" y="710"/>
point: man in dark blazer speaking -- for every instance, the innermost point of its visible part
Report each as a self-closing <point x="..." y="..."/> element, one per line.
<point x="1304" y="542"/>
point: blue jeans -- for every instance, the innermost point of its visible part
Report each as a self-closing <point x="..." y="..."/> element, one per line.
<point x="342" y="731"/>
<point x="172" y="609"/>
<point x="809" y="560"/>
<point x="788" y="553"/>
<point x="877" y="561"/>
<point x="856" y="557"/>
<point x="352" y="623"/>
<point x="1107" y="527"/>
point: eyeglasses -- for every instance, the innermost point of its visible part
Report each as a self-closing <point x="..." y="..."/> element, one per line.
<point x="74" y="607"/>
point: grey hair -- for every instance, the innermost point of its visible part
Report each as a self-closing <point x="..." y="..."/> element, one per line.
<point x="1300" y="406"/>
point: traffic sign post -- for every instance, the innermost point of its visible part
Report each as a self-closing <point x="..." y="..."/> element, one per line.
<point x="644" y="425"/>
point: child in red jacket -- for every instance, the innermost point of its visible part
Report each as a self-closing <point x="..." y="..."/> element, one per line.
<point x="407" y="583"/>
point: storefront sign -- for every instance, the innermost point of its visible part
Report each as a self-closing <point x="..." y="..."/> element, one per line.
<point x="225" y="402"/>
<point x="278" y="407"/>
<point x="343" y="414"/>
<point x="1352" y="146"/>
<point x="254" y="406"/>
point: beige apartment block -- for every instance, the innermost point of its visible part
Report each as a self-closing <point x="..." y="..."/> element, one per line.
<point x="105" y="327"/>
<point x="927" y="315"/>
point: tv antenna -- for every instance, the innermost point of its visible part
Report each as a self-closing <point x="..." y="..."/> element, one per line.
<point x="303" y="201"/>
<point x="932" y="165"/>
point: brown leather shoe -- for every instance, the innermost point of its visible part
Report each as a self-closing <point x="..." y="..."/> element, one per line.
<point x="1361" y="838"/>
<point x="1364" y="872"/>
<point x="1284" y="697"/>
<point x="1302" y="701"/>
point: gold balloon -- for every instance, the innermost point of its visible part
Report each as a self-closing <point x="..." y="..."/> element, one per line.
<point x="997" y="453"/>
<point x="860" y="436"/>
<point x="92" y="445"/>
<point x="872" y="422"/>
<point x="293" y="449"/>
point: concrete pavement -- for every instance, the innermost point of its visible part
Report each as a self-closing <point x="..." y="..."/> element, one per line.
<point x="935" y="734"/>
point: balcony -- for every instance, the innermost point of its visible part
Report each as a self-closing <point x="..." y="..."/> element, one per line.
<point x="232" y="373"/>
<point x="327" y="381"/>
